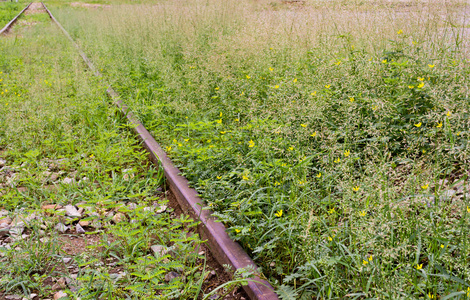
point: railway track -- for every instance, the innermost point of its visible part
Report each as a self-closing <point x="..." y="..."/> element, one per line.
<point x="12" y="22"/>
<point x="223" y="249"/>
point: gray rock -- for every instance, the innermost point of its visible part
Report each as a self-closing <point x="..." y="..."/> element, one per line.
<point x="68" y="180"/>
<point x="132" y="206"/>
<point x="66" y="260"/>
<point x="71" y="211"/>
<point x="59" y="295"/>
<point x="6" y="221"/>
<point x="119" y="217"/>
<point x="447" y="195"/>
<point x="17" y="228"/>
<point x="13" y="297"/>
<point x="159" y="250"/>
<point x="171" y="276"/>
<point x="61" y="228"/>
<point x="4" y="230"/>
<point x="79" y="229"/>
<point x="161" y="209"/>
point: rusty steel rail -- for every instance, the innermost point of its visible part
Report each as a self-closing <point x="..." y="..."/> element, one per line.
<point x="224" y="249"/>
<point x="4" y="29"/>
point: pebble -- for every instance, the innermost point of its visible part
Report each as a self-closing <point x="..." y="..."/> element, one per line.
<point x="66" y="260"/>
<point x="4" y="230"/>
<point x="119" y="217"/>
<point x="61" y="228"/>
<point x="68" y="180"/>
<point x="59" y="295"/>
<point x="161" y="209"/>
<point x="13" y="297"/>
<point x="51" y="206"/>
<point x="159" y="250"/>
<point x="6" y="221"/>
<point x="2" y="163"/>
<point x="447" y="195"/>
<point x="79" y="229"/>
<point x="171" y="275"/>
<point x="132" y="206"/>
<point x="71" y="211"/>
<point x="84" y="223"/>
<point x="17" y="228"/>
<point x="60" y="284"/>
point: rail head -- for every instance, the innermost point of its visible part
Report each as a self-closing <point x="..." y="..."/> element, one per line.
<point x="222" y="247"/>
<point x="8" y="26"/>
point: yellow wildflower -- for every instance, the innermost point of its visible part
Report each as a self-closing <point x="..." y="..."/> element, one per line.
<point x="219" y="121"/>
<point x="419" y="266"/>
<point x="327" y="86"/>
<point x="442" y="246"/>
<point x="271" y="69"/>
<point x="276" y="86"/>
<point x="431" y="66"/>
<point x="222" y="132"/>
<point x="384" y="61"/>
<point x="303" y="125"/>
<point x="346" y="153"/>
<point x="276" y="183"/>
<point x="356" y="188"/>
<point x="330" y="211"/>
<point x="411" y="86"/>
<point x="424" y="187"/>
<point x="468" y="209"/>
<point x="314" y="134"/>
<point x="337" y="160"/>
<point x="168" y="148"/>
<point x="420" y="85"/>
<point x="237" y="230"/>
<point x="217" y="88"/>
<point x="291" y="148"/>
<point x="418" y="125"/>
<point x="295" y="80"/>
<point x="248" y="77"/>
<point x="338" y="63"/>
<point x="244" y="177"/>
<point x="400" y="31"/>
<point x="330" y="238"/>
<point x="278" y="214"/>
<point x="219" y="177"/>
<point x="362" y="213"/>
<point x="364" y="262"/>
<point x="420" y="78"/>
<point x="237" y="120"/>
<point x="319" y="175"/>
<point x="439" y="125"/>
<point x="251" y="144"/>
<point x="448" y="113"/>
<point x="313" y="93"/>
<point x="351" y="99"/>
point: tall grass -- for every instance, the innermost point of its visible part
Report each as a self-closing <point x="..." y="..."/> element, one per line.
<point x="323" y="133"/>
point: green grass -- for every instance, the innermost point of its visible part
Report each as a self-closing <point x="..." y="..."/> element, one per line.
<point x="8" y="10"/>
<point x="55" y="118"/>
<point x="320" y="135"/>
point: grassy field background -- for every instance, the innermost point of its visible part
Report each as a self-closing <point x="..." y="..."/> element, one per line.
<point x="8" y="10"/>
<point x="331" y="137"/>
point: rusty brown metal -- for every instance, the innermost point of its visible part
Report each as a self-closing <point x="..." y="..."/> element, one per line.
<point x="8" y="26"/>
<point x="222" y="247"/>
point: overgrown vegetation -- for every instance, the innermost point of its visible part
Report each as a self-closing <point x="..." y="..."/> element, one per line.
<point x="330" y="137"/>
<point x="61" y="143"/>
<point x="8" y="10"/>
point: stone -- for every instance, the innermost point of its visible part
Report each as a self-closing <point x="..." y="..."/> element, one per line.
<point x="71" y="211"/>
<point x="2" y="163"/>
<point x="51" y="207"/>
<point x="68" y="180"/>
<point x="13" y="297"/>
<point x="84" y="223"/>
<point x="132" y="206"/>
<point x="66" y="260"/>
<point x="447" y="195"/>
<point x="61" y="228"/>
<point x="79" y="229"/>
<point x="119" y="217"/>
<point x="59" y="295"/>
<point x="161" y="209"/>
<point x="4" y="230"/>
<point x="117" y="276"/>
<point x="17" y="228"/>
<point x="60" y="284"/>
<point x="6" y="221"/>
<point x="3" y="212"/>
<point x="159" y="250"/>
<point x="171" y="276"/>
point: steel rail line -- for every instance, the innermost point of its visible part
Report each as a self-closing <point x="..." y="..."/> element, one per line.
<point x="4" y="29"/>
<point x="224" y="249"/>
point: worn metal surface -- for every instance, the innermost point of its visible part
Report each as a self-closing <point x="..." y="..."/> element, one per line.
<point x="4" y="29"/>
<point x="224" y="249"/>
